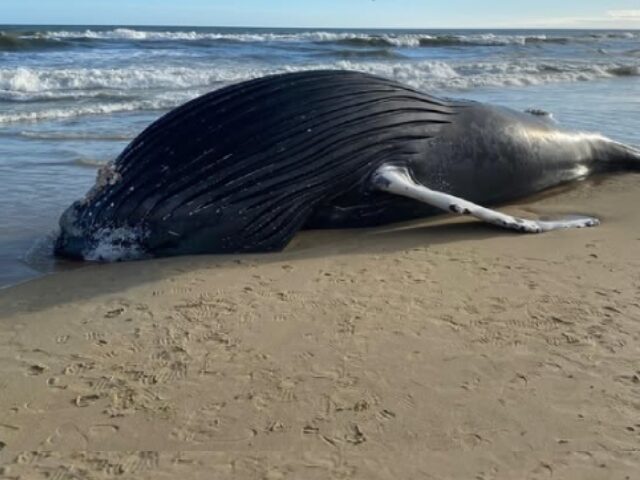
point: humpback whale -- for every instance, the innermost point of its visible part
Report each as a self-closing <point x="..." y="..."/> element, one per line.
<point x="243" y="168"/>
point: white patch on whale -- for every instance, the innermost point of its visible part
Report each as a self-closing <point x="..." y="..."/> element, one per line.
<point x="117" y="244"/>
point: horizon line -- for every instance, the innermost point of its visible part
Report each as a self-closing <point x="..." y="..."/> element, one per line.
<point x="305" y="27"/>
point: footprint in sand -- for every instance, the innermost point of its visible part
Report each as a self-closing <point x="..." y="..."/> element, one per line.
<point x="103" y="431"/>
<point x="55" y="382"/>
<point x="116" y="312"/>
<point x="68" y="436"/>
<point x="86" y="400"/>
<point x="37" y="369"/>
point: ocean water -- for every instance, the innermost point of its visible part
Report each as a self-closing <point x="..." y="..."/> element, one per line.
<point x="71" y="98"/>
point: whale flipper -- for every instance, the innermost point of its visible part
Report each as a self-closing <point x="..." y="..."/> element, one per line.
<point x="398" y="180"/>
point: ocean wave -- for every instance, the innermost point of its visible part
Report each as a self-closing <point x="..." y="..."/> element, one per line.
<point x="85" y="162"/>
<point x="489" y="40"/>
<point x="96" y="109"/>
<point x="65" y="136"/>
<point x="446" y="76"/>
<point x="153" y="35"/>
<point x="618" y="35"/>
<point x="625" y="71"/>
<point x="89" y="162"/>
<point x="120" y="84"/>
<point x="354" y="39"/>
<point x="56" y="95"/>
<point x="165" y="88"/>
<point x="372" y="54"/>
<point x="10" y="42"/>
<point x="362" y="40"/>
<point x="40" y="80"/>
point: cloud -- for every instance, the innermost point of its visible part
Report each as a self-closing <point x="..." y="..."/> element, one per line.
<point x="624" y="14"/>
<point x="612" y="19"/>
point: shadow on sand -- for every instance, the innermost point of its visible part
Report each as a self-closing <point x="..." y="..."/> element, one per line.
<point x="85" y="281"/>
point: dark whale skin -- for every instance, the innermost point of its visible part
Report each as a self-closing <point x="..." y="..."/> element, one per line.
<point x="242" y="169"/>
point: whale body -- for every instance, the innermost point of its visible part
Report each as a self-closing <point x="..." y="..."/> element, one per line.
<point x="243" y="168"/>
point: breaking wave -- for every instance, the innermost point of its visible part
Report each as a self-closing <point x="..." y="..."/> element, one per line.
<point x="96" y="109"/>
<point x="625" y="71"/>
<point x="71" y="135"/>
<point x="106" y="91"/>
<point x="10" y="42"/>
<point x="368" y="39"/>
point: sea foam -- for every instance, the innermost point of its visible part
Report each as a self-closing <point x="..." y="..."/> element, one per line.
<point x="390" y="39"/>
<point x="115" y="90"/>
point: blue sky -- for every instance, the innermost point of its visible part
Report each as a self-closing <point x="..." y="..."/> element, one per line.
<point x="330" y="13"/>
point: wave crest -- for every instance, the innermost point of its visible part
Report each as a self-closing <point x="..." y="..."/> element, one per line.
<point x="368" y="39"/>
<point x="10" y="42"/>
<point x="164" y="88"/>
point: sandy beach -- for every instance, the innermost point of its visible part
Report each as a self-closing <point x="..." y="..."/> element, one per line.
<point x="441" y="349"/>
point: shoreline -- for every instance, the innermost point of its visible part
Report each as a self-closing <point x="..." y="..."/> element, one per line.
<point x="306" y="239"/>
<point x="446" y="348"/>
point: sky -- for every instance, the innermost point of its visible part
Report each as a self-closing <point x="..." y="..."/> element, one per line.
<point x="623" y="14"/>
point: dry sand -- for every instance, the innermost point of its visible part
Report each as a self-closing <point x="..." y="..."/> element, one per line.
<point x="448" y="350"/>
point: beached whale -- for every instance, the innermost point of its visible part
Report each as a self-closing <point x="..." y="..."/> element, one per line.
<point x="242" y="169"/>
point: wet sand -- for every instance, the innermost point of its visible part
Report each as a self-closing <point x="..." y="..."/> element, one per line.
<point x="443" y="349"/>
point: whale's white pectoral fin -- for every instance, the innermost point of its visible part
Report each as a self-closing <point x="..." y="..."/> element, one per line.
<point x="397" y="180"/>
